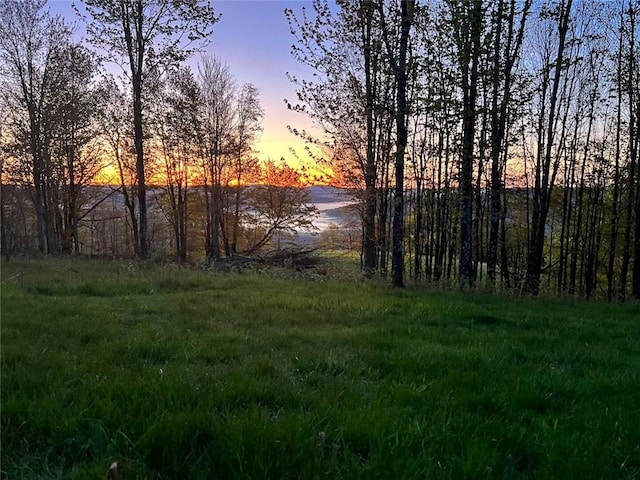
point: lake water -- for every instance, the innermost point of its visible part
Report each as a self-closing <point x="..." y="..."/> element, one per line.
<point x="330" y="213"/>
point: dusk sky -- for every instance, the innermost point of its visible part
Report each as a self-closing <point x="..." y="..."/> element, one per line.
<point x="253" y="38"/>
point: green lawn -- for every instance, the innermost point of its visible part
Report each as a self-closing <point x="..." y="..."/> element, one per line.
<point x="177" y="373"/>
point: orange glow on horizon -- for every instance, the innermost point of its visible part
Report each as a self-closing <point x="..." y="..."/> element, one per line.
<point x="270" y="150"/>
<point x="108" y="175"/>
<point x="294" y="154"/>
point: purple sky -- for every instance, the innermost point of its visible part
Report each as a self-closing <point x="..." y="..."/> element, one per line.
<point x="253" y="38"/>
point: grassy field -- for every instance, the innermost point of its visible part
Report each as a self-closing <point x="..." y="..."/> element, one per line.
<point x="185" y="374"/>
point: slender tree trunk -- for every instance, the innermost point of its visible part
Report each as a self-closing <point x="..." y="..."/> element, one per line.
<point x="382" y="209"/>
<point x="215" y="220"/>
<point x="595" y="237"/>
<point x="369" y="208"/>
<point x="477" y="226"/>
<point x="634" y="142"/>
<point x="236" y="207"/>
<point x="499" y="111"/>
<point x="400" y="70"/>
<point x="4" y="246"/>
<point x="504" y="257"/>
<point x="128" y="198"/>
<point x="631" y="193"/>
<point x="635" y="277"/>
<point x="577" y="233"/>
<point x="135" y="52"/>
<point x="40" y="216"/>
<point x="37" y="174"/>
<point x="417" y="232"/>
<point x="615" y="202"/>
<point x="496" y="144"/>
<point x="143" y="248"/>
<point x="545" y="175"/>
<point x="468" y="33"/>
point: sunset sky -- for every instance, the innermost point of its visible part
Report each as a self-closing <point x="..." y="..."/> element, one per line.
<point x="253" y="38"/>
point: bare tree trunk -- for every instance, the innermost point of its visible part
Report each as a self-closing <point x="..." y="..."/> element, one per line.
<point x="468" y="20"/>
<point x="595" y="236"/>
<point x="4" y="247"/>
<point x="634" y="142"/>
<point x="136" y="62"/>
<point x="369" y="210"/>
<point x="615" y="202"/>
<point x="399" y="67"/>
<point x="499" y="110"/>
<point x="382" y="241"/>
<point x="577" y="233"/>
<point x="631" y="193"/>
<point x="545" y="174"/>
<point x="504" y="258"/>
<point x="635" y="278"/>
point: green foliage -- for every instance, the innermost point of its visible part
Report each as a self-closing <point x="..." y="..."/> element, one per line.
<point x="177" y="373"/>
<point x="164" y="32"/>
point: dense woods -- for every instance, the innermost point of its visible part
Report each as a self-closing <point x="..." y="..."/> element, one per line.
<point x="520" y="166"/>
<point x="489" y="144"/>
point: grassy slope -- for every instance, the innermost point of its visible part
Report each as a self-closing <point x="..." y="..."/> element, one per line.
<point x="183" y="374"/>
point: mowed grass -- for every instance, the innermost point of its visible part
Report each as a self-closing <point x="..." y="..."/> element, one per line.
<point x="184" y="374"/>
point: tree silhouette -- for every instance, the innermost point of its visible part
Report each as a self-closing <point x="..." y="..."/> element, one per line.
<point x="143" y="36"/>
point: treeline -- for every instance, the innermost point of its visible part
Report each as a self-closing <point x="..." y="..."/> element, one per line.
<point x="490" y="143"/>
<point x="493" y="142"/>
<point x="67" y="123"/>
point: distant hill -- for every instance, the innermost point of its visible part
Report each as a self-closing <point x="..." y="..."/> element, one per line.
<point x="323" y="194"/>
<point x="332" y="203"/>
